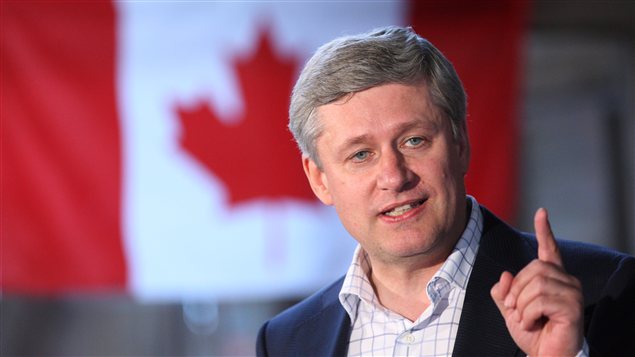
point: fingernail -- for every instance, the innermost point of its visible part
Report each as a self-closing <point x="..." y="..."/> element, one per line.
<point x="509" y="301"/>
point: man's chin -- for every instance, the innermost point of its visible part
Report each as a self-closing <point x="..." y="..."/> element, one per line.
<point x="422" y="254"/>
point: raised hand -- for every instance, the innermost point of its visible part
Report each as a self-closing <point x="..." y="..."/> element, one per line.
<point x="542" y="305"/>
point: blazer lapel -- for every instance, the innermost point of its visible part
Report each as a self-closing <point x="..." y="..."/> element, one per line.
<point x="335" y="331"/>
<point x="482" y="330"/>
<point x="331" y="326"/>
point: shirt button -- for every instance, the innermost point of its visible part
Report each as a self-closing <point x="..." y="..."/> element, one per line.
<point x="409" y="338"/>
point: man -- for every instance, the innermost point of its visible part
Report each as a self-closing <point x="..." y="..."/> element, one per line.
<point x="380" y="121"/>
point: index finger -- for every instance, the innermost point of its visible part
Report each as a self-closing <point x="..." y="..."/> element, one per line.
<point x="547" y="247"/>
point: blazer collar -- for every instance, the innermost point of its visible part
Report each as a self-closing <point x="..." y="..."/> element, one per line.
<point x="482" y="330"/>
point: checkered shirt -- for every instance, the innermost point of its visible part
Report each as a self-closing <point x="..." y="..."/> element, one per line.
<point x="377" y="331"/>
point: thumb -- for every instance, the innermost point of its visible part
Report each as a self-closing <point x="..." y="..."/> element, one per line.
<point x="547" y="247"/>
<point x="499" y="292"/>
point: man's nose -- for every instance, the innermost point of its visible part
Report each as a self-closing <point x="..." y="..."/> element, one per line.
<point x="394" y="173"/>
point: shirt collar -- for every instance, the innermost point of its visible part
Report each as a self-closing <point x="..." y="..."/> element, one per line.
<point x="455" y="271"/>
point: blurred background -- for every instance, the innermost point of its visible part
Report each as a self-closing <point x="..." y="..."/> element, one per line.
<point x="153" y="202"/>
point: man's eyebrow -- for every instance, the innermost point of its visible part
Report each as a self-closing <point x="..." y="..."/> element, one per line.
<point x="427" y="125"/>
<point x="402" y="128"/>
<point x="355" y="140"/>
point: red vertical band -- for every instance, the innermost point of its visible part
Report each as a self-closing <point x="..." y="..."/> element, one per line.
<point x="61" y="155"/>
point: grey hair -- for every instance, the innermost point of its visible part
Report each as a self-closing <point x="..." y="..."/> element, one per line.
<point x="355" y="63"/>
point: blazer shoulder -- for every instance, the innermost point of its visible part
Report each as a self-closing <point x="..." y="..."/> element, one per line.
<point x="601" y="270"/>
<point x="311" y="306"/>
<point x="315" y="323"/>
<point x="608" y="286"/>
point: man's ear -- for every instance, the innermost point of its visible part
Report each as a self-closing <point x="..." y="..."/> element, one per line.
<point x="317" y="179"/>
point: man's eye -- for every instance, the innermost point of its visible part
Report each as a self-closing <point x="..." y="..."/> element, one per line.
<point x="361" y="155"/>
<point x="415" y="141"/>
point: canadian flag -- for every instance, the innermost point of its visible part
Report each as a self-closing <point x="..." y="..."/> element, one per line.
<point x="145" y="150"/>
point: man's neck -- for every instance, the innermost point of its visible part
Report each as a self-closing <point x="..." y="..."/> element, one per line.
<point x="403" y="291"/>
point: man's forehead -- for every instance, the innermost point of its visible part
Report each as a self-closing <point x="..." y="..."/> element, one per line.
<point x="428" y="115"/>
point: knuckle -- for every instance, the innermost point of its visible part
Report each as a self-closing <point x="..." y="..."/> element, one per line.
<point x="542" y="283"/>
<point x="542" y="268"/>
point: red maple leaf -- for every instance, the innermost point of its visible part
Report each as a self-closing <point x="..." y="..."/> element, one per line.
<point x="254" y="155"/>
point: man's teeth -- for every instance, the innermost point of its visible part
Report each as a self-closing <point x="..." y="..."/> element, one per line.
<point x="397" y="211"/>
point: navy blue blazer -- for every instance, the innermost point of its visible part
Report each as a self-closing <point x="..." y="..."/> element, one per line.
<point x="319" y="325"/>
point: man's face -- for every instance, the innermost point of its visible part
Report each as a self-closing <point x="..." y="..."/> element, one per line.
<point x="394" y="173"/>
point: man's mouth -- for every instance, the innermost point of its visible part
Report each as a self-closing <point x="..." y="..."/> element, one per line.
<point x="399" y="210"/>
